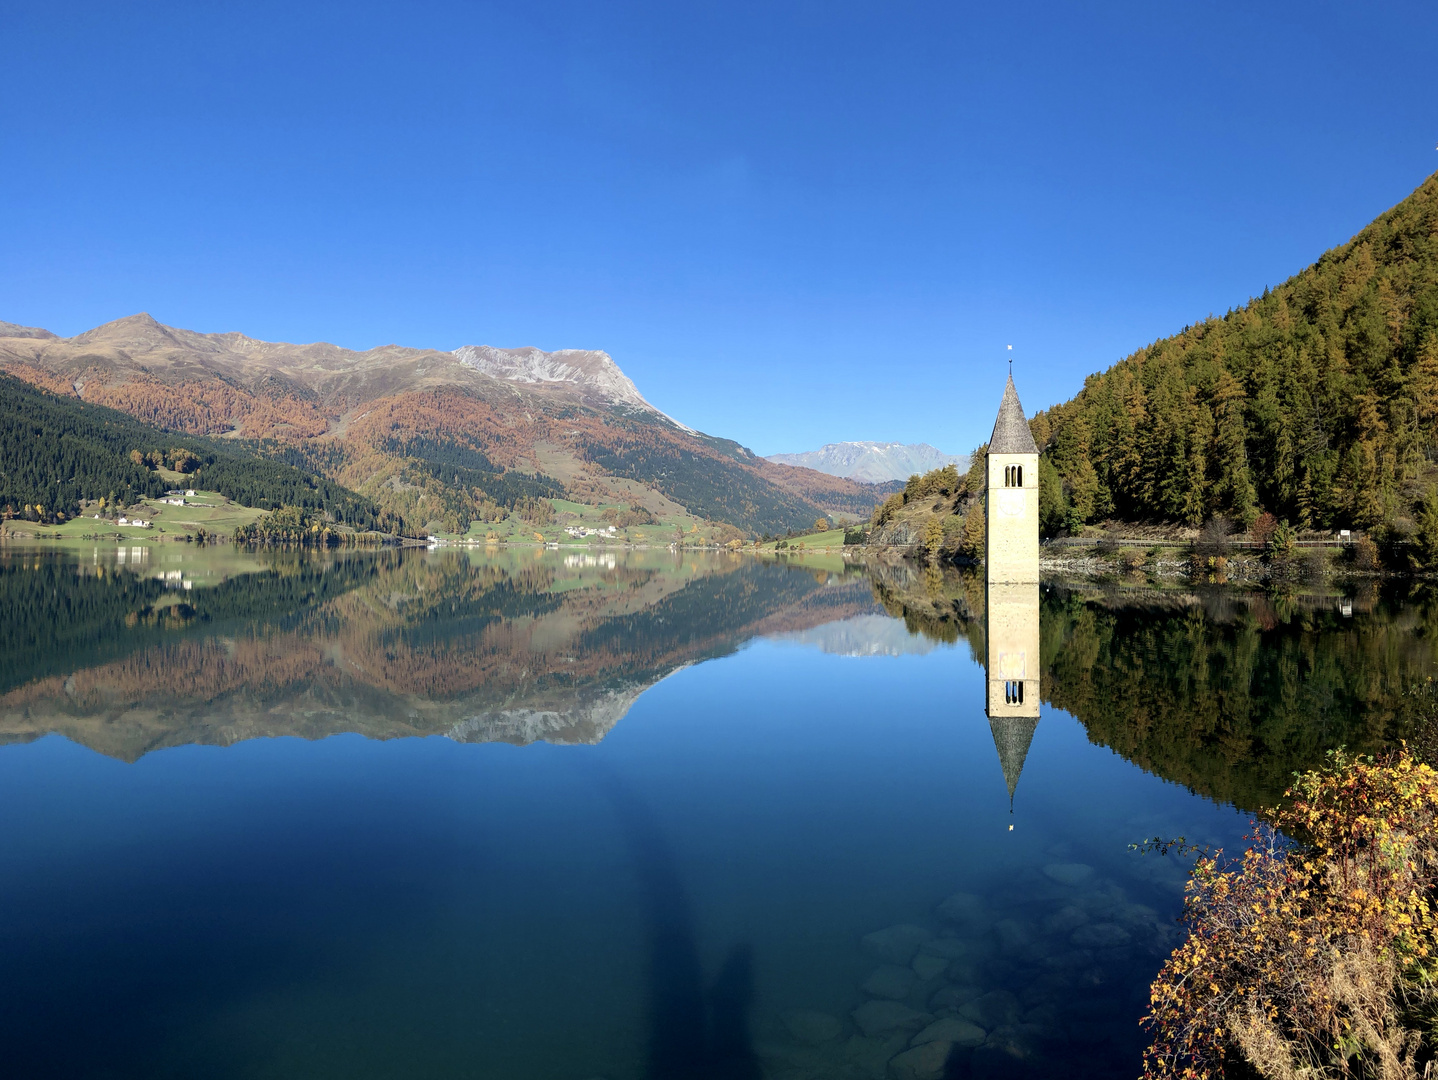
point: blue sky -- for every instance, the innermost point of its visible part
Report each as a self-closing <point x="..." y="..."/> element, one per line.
<point x="790" y="223"/>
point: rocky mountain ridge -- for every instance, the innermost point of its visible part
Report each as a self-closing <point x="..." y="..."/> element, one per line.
<point x="428" y="434"/>
<point x="591" y="372"/>
<point x="326" y="370"/>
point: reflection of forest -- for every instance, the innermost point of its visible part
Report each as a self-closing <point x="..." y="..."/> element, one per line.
<point x="383" y="644"/>
<point x="1225" y="692"/>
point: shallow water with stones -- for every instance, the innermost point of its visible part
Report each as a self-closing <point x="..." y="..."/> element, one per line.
<point x="623" y="814"/>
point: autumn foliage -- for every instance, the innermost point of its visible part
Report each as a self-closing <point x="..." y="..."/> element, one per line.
<point x="1317" y="401"/>
<point x="1314" y="956"/>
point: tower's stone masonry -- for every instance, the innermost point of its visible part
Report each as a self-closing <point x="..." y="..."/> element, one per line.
<point x="1012" y="501"/>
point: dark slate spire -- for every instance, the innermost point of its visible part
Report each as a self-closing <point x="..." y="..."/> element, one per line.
<point x="1012" y="736"/>
<point x="1011" y="430"/>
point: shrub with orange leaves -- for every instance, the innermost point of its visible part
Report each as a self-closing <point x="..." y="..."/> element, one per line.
<point x="1315" y="955"/>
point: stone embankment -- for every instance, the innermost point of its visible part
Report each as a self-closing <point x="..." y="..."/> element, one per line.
<point x="1047" y="977"/>
<point x="1173" y="563"/>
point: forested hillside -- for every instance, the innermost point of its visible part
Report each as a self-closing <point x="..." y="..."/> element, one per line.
<point x="716" y="480"/>
<point x="57" y="451"/>
<point x="1317" y="402"/>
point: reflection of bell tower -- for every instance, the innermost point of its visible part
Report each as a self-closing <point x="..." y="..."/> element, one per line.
<point x="1013" y="672"/>
<point x="1011" y="558"/>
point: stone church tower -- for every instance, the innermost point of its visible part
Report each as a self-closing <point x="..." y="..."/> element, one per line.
<point x="1011" y="559"/>
<point x="1012" y="502"/>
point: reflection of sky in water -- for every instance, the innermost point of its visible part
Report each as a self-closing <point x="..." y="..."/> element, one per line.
<point x="424" y="907"/>
<point x="716" y="828"/>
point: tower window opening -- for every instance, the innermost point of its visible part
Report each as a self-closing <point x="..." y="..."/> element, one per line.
<point x="1013" y="476"/>
<point x="1014" y="692"/>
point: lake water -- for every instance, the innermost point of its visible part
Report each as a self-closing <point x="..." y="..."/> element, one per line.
<point x="627" y="814"/>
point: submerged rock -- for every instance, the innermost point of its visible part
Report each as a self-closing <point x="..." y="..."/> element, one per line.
<point x="953" y="997"/>
<point x="1100" y="936"/>
<point x="1012" y="1054"/>
<point x="1139" y="915"/>
<point x="812" y="1027"/>
<point x="1092" y="978"/>
<point x="1016" y="1040"/>
<point x="963" y="973"/>
<point x="1103" y="903"/>
<point x="1068" y="961"/>
<point x="995" y="1009"/>
<point x="1051" y="987"/>
<point x="878" y="1017"/>
<point x="896" y="944"/>
<point x="1072" y="874"/>
<point x="1065" y="920"/>
<point x="1045" y="1016"/>
<point x="926" y="1062"/>
<point x="946" y="948"/>
<point x="870" y="1056"/>
<point x="890" y="981"/>
<point x="929" y="967"/>
<point x="961" y="907"/>
<point x="1013" y="935"/>
<point x="960" y="1032"/>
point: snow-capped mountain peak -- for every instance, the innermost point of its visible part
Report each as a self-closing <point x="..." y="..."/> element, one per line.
<point x="873" y="462"/>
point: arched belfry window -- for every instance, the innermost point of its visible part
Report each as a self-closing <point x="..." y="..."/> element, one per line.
<point x="1013" y="476"/>
<point x="1013" y="692"/>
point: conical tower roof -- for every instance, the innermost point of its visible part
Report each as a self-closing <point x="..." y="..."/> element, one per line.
<point x="1011" y="429"/>
<point x="1012" y="736"/>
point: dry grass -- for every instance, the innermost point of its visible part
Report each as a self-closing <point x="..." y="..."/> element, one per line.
<point x="1314" y="959"/>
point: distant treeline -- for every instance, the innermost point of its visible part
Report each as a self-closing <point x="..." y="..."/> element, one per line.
<point x="296" y="527"/>
<point x="57" y="451"/>
<point x="1317" y="402"/>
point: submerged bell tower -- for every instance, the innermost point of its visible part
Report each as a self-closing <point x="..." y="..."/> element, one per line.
<point x="1011" y="562"/>
<point x="1011" y="550"/>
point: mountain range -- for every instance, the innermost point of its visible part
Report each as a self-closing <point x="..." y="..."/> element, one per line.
<point x="873" y="462"/>
<point x="429" y="435"/>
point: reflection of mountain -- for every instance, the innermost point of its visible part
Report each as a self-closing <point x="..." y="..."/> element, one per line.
<point x="1224" y="692"/>
<point x="587" y="716"/>
<point x="385" y="645"/>
<point x="863" y="635"/>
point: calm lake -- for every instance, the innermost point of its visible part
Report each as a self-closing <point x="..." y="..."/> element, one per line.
<point x="627" y="814"/>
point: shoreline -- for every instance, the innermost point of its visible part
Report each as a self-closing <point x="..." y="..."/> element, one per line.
<point x="1238" y="570"/>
